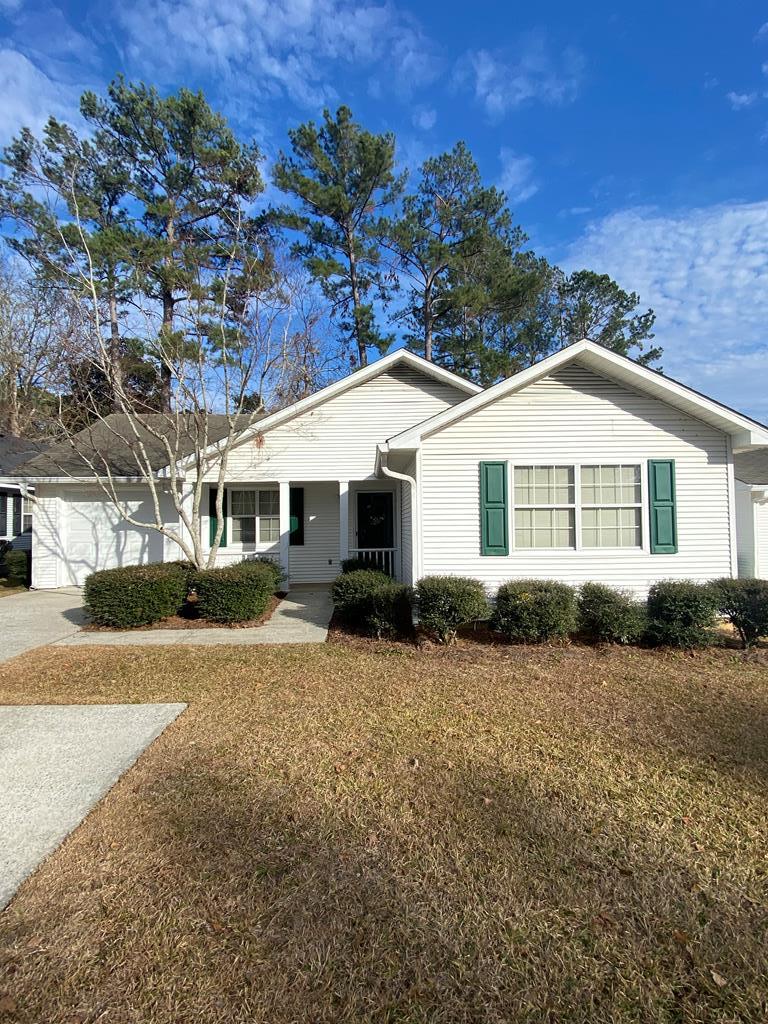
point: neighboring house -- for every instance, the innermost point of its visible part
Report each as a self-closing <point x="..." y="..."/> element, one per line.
<point x="586" y="466"/>
<point x="752" y="513"/>
<point x="15" y="506"/>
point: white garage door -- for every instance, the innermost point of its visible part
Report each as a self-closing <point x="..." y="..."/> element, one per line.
<point x="97" y="537"/>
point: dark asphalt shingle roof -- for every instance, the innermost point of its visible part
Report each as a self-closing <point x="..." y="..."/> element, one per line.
<point x="752" y="467"/>
<point x="113" y="442"/>
<point x="16" y="450"/>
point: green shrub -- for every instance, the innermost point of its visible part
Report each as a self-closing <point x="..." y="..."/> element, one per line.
<point x="745" y="604"/>
<point x="359" y="565"/>
<point x="681" y="613"/>
<point x="352" y="589"/>
<point x="533" y="611"/>
<point x="234" y="593"/>
<point x="447" y="602"/>
<point x="388" y="611"/>
<point x="17" y="567"/>
<point x="135" y="595"/>
<point x="610" y="616"/>
<point x="274" y="567"/>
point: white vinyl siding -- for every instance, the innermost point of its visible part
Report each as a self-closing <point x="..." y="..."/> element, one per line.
<point x="337" y="440"/>
<point x="761" y="539"/>
<point x="576" y="417"/>
<point x="746" y="522"/>
<point x="407" y="526"/>
<point x="317" y="559"/>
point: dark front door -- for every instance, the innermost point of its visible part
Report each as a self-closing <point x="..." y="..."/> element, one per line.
<point x="375" y="519"/>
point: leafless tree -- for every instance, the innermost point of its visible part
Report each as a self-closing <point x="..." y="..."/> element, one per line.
<point x="41" y="334"/>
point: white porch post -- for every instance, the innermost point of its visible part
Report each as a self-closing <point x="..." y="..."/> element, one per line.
<point x="285" y="529"/>
<point x="343" y="520"/>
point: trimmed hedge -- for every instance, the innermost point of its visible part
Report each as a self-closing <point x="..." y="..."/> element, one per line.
<point x="745" y="604"/>
<point x="278" y="575"/>
<point x="16" y="567"/>
<point x="360" y="565"/>
<point x="447" y="602"/>
<point x="234" y="593"/>
<point x="388" y="611"/>
<point x="371" y="601"/>
<point x="534" y="611"/>
<point x="135" y="595"/>
<point x="681" y="613"/>
<point x="610" y="616"/>
<point x="353" y="588"/>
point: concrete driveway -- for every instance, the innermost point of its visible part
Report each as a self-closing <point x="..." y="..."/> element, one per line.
<point x="38" y="617"/>
<point x="56" y="763"/>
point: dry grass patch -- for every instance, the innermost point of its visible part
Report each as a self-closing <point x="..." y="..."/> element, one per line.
<point x="335" y="834"/>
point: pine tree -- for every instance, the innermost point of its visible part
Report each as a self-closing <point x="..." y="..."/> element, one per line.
<point x="342" y="177"/>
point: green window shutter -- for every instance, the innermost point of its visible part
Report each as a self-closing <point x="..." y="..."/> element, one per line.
<point x="663" y="511"/>
<point x="296" y="513"/>
<point x="494" y="535"/>
<point x="213" y="521"/>
<point x="16" y="515"/>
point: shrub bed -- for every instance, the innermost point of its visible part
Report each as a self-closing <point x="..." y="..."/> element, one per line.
<point x="745" y="604"/>
<point x="610" y="616"/>
<point x="447" y="602"/>
<point x="234" y="593"/>
<point x="136" y="595"/>
<point x="534" y="611"/>
<point x="681" y="613"/>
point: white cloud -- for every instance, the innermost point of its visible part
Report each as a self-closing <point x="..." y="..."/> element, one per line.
<point x="277" y="46"/>
<point x="10" y="6"/>
<point x="425" y="118"/>
<point x="516" y="177"/>
<point x="30" y="96"/>
<point x="740" y="100"/>
<point x="502" y="83"/>
<point x="705" y="272"/>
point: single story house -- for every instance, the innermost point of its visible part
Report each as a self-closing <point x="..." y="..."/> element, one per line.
<point x="586" y="466"/>
<point x="752" y="512"/>
<point x="15" y="507"/>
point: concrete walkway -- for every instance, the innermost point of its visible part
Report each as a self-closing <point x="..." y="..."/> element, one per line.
<point x="301" y="618"/>
<point x="56" y="763"/>
<point x="38" y="617"/>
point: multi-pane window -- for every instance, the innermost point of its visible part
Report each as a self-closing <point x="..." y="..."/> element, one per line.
<point x="255" y="514"/>
<point x="611" y="498"/>
<point x="27" y="515"/>
<point x="550" y="500"/>
<point x="545" y="513"/>
<point x="269" y="516"/>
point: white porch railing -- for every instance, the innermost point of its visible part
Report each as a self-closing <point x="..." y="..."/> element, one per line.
<point x="378" y="558"/>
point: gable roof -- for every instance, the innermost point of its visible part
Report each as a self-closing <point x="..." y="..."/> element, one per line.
<point x="745" y="432"/>
<point x="112" y="443"/>
<point x="401" y="357"/>
<point x="114" y="439"/>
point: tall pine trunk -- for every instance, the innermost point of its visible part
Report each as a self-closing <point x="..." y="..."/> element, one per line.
<point x="362" y="353"/>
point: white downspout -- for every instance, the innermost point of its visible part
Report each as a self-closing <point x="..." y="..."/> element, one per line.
<point x="415" y="511"/>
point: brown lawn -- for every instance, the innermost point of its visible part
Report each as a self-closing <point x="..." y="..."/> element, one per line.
<point x="377" y="833"/>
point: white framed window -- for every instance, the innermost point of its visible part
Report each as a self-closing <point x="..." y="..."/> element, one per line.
<point x="611" y="506"/>
<point x="255" y="515"/>
<point x="578" y="506"/>
<point x="545" y="506"/>
<point x="26" y="514"/>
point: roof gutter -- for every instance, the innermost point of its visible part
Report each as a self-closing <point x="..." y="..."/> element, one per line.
<point x="382" y="457"/>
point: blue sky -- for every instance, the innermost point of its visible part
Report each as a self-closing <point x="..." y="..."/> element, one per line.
<point x="632" y="141"/>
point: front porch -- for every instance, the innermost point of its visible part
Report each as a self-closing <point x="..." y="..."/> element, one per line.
<point x="311" y="527"/>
